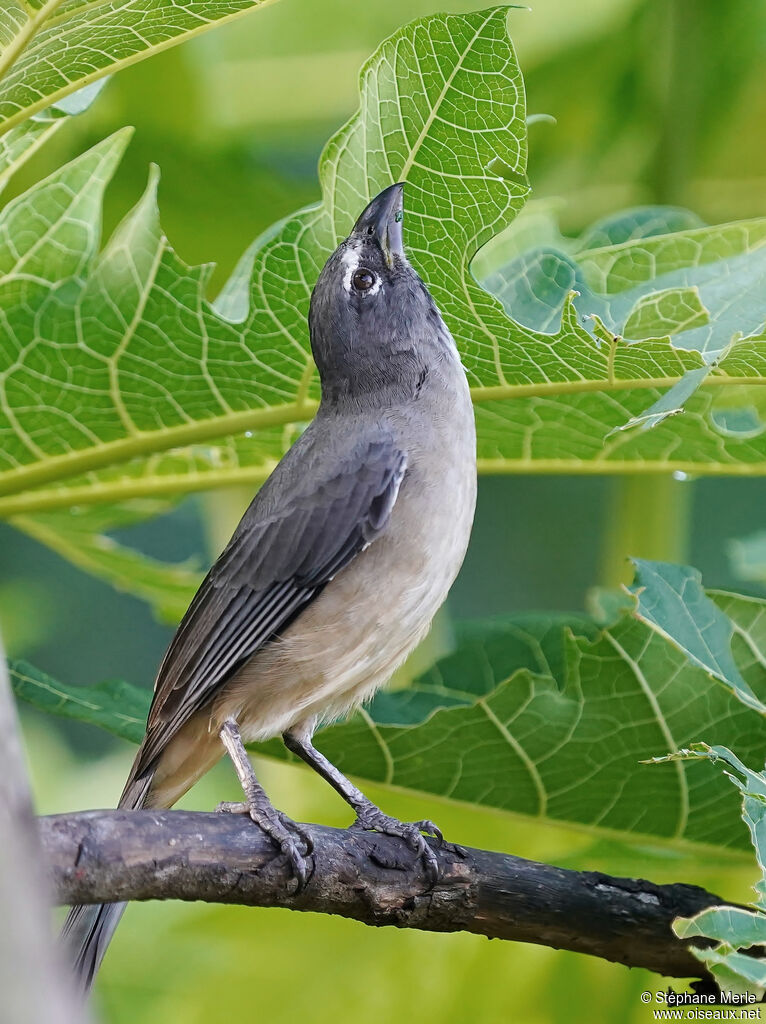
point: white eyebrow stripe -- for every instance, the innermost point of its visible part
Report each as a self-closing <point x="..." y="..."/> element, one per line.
<point x="351" y="259"/>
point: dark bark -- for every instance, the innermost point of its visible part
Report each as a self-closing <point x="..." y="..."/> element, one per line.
<point x="98" y="856"/>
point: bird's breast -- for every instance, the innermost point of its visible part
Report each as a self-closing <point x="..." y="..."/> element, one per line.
<point x="368" y="619"/>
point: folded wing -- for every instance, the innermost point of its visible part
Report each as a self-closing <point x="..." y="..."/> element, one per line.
<point x="279" y="560"/>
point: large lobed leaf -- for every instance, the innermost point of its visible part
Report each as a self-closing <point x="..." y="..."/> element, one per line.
<point x="643" y="274"/>
<point x="668" y="276"/>
<point x="159" y="367"/>
<point x="547" y="717"/>
<point x="50" y="48"/>
<point x="119" y="379"/>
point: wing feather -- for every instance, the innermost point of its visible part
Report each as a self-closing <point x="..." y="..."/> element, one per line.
<point x="279" y="559"/>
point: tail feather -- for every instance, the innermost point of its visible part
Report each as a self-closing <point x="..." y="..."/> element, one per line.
<point x="88" y="928"/>
<point x="87" y="932"/>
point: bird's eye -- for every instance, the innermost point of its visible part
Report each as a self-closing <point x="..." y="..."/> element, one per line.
<point x="363" y="280"/>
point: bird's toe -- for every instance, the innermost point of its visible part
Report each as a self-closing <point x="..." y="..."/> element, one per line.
<point x="430" y="829"/>
<point x="232" y="807"/>
<point x="288" y="837"/>
<point x="374" y="820"/>
<point x="297" y="862"/>
<point x="302" y="833"/>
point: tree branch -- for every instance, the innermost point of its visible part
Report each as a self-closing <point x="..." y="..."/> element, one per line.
<point x="98" y="856"/>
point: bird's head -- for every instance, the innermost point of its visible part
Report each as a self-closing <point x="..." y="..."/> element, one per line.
<point x="372" y="320"/>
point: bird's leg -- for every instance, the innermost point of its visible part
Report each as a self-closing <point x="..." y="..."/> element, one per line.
<point x="368" y="815"/>
<point x="281" y="829"/>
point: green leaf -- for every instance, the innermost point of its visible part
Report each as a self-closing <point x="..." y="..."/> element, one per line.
<point x="735" y="972"/>
<point x="670" y="404"/>
<point x="549" y="717"/>
<point x="581" y="433"/>
<point x="738" y="927"/>
<point x="638" y="222"/>
<point x="745" y="358"/>
<point x="51" y="48"/>
<point x="67" y="205"/>
<point x="164" y="369"/>
<point x="115" y="706"/>
<point x="698" y="287"/>
<point x="534" y="286"/>
<point x="752" y="787"/>
<point x="81" y="535"/>
<point x="733" y="928"/>
<point x="671" y="599"/>
<point x="141" y="387"/>
<point x="664" y="312"/>
<point x="19" y="144"/>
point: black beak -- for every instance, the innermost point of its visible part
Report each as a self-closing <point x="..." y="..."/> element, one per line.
<point x="382" y="220"/>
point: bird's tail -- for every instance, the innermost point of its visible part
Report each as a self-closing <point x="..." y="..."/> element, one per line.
<point x="87" y="932"/>
<point x="88" y="928"/>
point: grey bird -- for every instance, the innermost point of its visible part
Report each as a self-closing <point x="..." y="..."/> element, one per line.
<point x="338" y="566"/>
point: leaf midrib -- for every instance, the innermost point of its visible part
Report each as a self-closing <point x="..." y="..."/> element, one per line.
<point x="51" y="98"/>
<point x="60" y="467"/>
<point x="168" y="485"/>
<point x="661" y="721"/>
<point x="22" y="39"/>
<point x="442" y="96"/>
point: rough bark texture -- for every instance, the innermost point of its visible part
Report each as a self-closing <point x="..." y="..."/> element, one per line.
<point x="97" y="856"/>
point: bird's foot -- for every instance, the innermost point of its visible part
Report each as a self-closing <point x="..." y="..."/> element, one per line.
<point x="285" y="833"/>
<point x="232" y="807"/>
<point x="372" y="819"/>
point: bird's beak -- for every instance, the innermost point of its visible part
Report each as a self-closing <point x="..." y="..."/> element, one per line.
<point x="382" y="220"/>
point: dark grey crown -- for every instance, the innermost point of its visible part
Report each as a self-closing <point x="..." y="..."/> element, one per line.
<point x="372" y="320"/>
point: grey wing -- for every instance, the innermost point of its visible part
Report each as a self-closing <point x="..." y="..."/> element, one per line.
<point x="272" y="568"/>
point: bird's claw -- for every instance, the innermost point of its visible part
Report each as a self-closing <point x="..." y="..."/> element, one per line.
<point x="374" y="820"/>
<point x="288" y="836"/>
<point x="429" y="829"/>
<point x="282" y="831"/>
<point x="296" y="860"/>
<point x="303" y="834"/>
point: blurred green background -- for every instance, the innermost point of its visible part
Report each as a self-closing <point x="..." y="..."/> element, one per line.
<point x="655" y="101"/>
